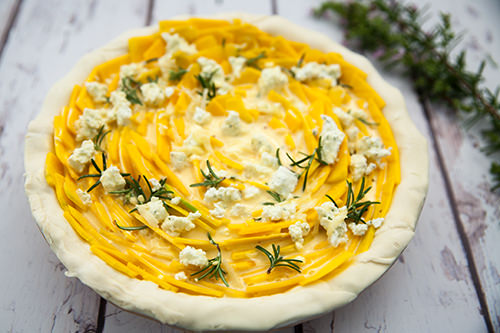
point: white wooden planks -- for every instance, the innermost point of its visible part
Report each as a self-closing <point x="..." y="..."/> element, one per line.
<point x="431" y="286"/>
<point x="47" y="39"/>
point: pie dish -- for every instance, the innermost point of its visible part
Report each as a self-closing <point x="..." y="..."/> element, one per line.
<point x="86" y="193"/>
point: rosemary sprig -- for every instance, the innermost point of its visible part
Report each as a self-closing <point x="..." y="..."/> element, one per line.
<point x="276" y="260"/>
<point x="133" y="188"/>
<point x="355" y="207"/>
<point x="276" y="196"/>
<point x="139" y="227"/>
<point x="130" y="88"/>
<point x="254" y="62"/>
<point x="214" y="267"/>
<point x="176" y="75"/>
<point x="211" y="179"/>
<point x="99" y="138"/>
<point x="308" y="159"/>
<point x="301" y="60"/>
<point x="393" y="32"/>
<point x="150" y="60"/>
<point x="207" y="84"/>
<point x="99" y="172"/>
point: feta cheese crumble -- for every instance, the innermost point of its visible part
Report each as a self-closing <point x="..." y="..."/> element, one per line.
<point x="226" y="195"/>
<point x="332" y="219"/>
<point x="176" y="200"/>
<point x="218" y="211"/>
<point x="260" y="143"/>
<point x="152" y="93"/>
<point x="358" y="229"/>
<point x="85" y="197"/>
<point x="175" y="225"/>
<point x="237" y="64"/>
<point x="372" y="148"/>
<point x="331" y="139"/>
<point x="269" y="160"/>
<point x="169" y="91"/>
<point x="178" y="159"/>
<point x="297" y="232"/>
<point x="283" y="181"/>
<point x="191" y="256"/>
<point x="239" y="210"/>
<point x="155" y="184"/>
<point x="313" y="70"/>
<point x="376" y="223"/>
<point x="155" y="208"/>
<point x="121" y="111"/>
<point x="89" y="123"/>
<point x="278" y="212"/>
<point x="82" y="156"/>
<point x="112" y="180"/>
<point x="181" y="276"/>
<point x="232" y="124"/>
<point x="176" y="43"/>
<point x="97" y="91"/>
<point x="131" y="70"/>
<point x="250" y="192"/>
<point x="201" y="116"/>
<point x="271" y="79"/>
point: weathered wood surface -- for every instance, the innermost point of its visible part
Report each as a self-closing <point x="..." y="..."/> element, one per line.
<point x="431" y="287"/>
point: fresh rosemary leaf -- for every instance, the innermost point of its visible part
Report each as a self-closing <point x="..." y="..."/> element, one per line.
<point x="253" y="62"/>
<point x="211" y="179"/>
<point x="301" y="60"/>
<point x="276" y="260"/>
<point x="150" y="60"/>
<point x="99" y="138"/>
<point x="206" y="81"/>
<point x="177" y="75"/>
<point x="355" y="207"/>
<point x="214" y="268"/>
<point x="275" y="196"/>
<point x="139" y="227"/>
<point x="130" y="88"/>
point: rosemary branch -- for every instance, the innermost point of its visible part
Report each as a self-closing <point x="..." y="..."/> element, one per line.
<point x="276" y="260"/>
<point x="214" y="266"/>
<point x="393" y="32"/>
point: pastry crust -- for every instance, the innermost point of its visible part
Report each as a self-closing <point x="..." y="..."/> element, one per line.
<point x="208" y="313"/>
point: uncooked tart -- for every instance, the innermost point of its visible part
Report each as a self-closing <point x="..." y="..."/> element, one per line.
<point x="169" y="167"/>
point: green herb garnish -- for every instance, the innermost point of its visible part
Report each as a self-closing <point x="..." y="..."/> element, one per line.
<point x="99" y="138"/>
<point x="134" y="188"/>
<point x="214" y="267"/>
<point x="276" y="196"/>
<point x="207" y="84"/>
<point x="253" y="62"/>
<point x="176" y="75"/>
<point x="130" y="88"/>
<point x="139" y="227"/>
<point x="276" y="260"/>
<point x="356" y="208"/>
<point x="211" y="179"/>
<point x="150" y="60"/>
<point x="316" y="155"/>
<point x="99" y="172"/>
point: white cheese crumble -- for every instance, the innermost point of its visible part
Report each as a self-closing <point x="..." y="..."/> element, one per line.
<point x="176" y="200"/>
<point x="269" y="160"/>
<point x="152" y="93"/>
<point x="250" y="192"/>
<point x="191" y="256"/>
<point x="131" y="70"/>
<point x="345" y="118"/>
<point x="176" y="43"/>
<point x="89" y="123"/>
<point x="197" y="142"/>
<point x="175" y="225"/>
<point x="155" y="208"/>
<point x="313" y="70"/>
<point x="201" y="116"/>
<point x="155" y="184"/>
<point x="82" y="156"/>
<point x="376" y="223"/>
<point x="260" y="143"/>
<point x="218" y="211"/>
<point x="97" y="91"/>
<point x="232" y="124"/>
<point x="112" y="180"/>
<point x="181" y="276"/>
<point x="297" y="232"/>
<point x="239" y="210"/>
<point x="357" y="166"/>
<point x="271" y="78"/>
<point x="169" y="91"/>
<point x="212" y="67"/>
<point x="178" y="159"/>
<point x="167" y="64"/>
<point x="278" y="212"/>
<point x="226" y="195"/>
<point x="253" y="170"/>
<point x="85" y="197"/>
<point x="358" y="229"/>
<point x="331" y="139"/>
<point x="237" y="64"/>
<point x="283" y="181"/>
<point x="372" y="148"/>
<point x="332" y="219"/>
<point x="121" y="111"/>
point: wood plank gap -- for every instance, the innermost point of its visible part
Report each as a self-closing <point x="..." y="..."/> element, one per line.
<point x="332" y="323"/>
<point x="149" y="14"/>
<point x="101" y="316"/>
<point x="298" y="328"/>
<point x="10" y="23"/>
<point x="274" y="7"/>
<point x="456" y="215"/>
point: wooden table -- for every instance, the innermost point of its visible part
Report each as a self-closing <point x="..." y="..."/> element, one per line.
<point x="446" y="280"/>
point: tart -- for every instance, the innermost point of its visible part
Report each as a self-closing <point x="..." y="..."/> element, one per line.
<point x="231" y="173"/>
